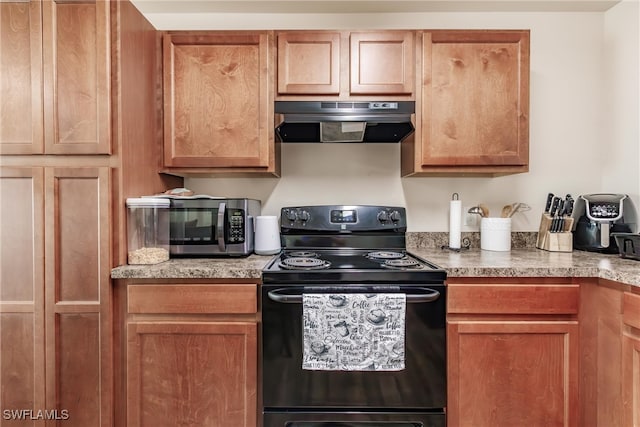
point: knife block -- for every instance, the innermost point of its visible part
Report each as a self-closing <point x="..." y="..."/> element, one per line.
<point x="555" y="242"/>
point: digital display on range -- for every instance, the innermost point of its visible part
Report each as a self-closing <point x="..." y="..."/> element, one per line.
<point x="342" y="216"/>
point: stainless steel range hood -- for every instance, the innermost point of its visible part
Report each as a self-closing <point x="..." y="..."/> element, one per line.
<point x="322" y="121"/>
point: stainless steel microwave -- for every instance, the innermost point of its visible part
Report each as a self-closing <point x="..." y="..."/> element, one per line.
<point x="205" y="226"/>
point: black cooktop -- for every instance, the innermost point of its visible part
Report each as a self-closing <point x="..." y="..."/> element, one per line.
<point x="351" y="266"/>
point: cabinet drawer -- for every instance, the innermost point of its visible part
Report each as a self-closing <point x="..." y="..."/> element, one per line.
<point x="193" y="299"/>
<point x="631" y="310"/>
<point x="513" y="299"/>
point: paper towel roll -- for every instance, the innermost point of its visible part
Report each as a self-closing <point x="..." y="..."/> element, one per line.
<point x="455" y="216"/>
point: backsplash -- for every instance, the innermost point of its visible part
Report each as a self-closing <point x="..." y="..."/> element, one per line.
<point x="430" y="240"/>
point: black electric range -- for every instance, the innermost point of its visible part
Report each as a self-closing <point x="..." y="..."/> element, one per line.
<point x="338" y="249"/>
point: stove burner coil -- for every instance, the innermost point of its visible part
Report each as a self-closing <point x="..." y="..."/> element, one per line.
<point x="385" y="255"/>
<point x="302" y="254"/>
<point x="303" y="263"/>
<point x="403" y="263"/>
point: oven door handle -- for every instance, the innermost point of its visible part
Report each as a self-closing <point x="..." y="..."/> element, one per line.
<point x="428" y="295"/>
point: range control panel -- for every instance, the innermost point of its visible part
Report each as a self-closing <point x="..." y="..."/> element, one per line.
<point x="343" y="218"/>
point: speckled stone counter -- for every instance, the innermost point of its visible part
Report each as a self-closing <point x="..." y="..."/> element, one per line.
<point x="522" y="261"/>
<point x="530" y="262"/>
<point x="196" y="268"/>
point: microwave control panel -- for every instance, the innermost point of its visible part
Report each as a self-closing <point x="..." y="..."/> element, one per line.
<point x="236" y="226"/>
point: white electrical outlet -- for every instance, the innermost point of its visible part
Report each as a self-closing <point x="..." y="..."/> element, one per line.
<point x="470" y="220"/>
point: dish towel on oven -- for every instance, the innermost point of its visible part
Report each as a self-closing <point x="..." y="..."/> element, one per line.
<point x="353" y="332"/>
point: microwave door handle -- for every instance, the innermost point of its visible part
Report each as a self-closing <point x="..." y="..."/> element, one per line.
<point x="222" y="207"/>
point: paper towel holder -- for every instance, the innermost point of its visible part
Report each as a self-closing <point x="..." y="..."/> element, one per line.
<point x="465" y="243"/>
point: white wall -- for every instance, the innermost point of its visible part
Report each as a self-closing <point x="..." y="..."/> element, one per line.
<point x="570" y="91"/>
<point x="621" y="101"/>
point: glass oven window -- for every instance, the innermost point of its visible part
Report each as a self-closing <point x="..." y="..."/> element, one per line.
<point x="193" y="226"/>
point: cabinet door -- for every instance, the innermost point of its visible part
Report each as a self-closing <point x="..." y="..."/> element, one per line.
<point x="76" y="40"/>
<point x="512" y="373"/>
<point x="475" y="99"/>
<point x="21" y="122"/>
<point x="77" y="296"/>
<point x="382" y="62"/>
<point x="21" y="289"/>
<point x="309" y="63"/>
<point x="191" y="373"/>
<point x="631" y="360"/>
<point x="217" y="101"/>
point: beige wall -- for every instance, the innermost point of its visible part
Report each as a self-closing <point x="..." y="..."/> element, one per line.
<point x="579" y="103"/>
<point x="621" y="100"/>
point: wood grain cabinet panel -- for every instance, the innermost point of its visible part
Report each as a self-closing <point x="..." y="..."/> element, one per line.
<point x="346" y="64"/>
<point x="21" y="289"/>
<point x="193" y="299"/>
<point x="217" y="101"/>
<point x="55" y="58"/>
<point x="191" y="373"/>
<point x="76" y="37"/>
<point x="309" y="63"/>
<point x="474" y="114"/>
<point x="512" y="373"/>
<point x="631" y="360"/>
<point x="77" y="312"/>
<point x="21" y="114"/>
<point x="512" y="353"/>
<point x="382" y="62"/>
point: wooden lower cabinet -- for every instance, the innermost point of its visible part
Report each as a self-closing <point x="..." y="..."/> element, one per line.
<point x="513" y="353"/>
<point x="191" y="373"/>
<point x="55" y="313"/>
<point x="631" y="359"/>
<point x="189" y="354"/>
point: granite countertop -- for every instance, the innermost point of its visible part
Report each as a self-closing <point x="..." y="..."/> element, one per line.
<point x="196" y="268"/>
<point x="531" y="262"/>
<point x="522" y="262"/>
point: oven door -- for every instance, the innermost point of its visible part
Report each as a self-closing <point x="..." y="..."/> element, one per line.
<point x="421" y="385"/>
<point x="355" y="419"/>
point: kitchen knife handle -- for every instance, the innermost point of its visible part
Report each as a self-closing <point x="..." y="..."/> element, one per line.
<point x="547" y="206"/>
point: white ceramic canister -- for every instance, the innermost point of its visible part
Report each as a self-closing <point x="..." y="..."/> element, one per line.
<point x="495" y="234"/>
<point x="267" y="237"/>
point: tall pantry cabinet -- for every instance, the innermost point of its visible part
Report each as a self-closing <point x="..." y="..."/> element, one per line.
<point x="79" y="87"/>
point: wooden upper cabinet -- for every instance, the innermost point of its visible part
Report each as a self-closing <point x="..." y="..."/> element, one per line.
<point x="55" y="79"/>
<point x="218" y="106"/>
<point x="382" y="62"/>
<point x="21" y="125"/>
<point x="475" y="103"/>
<point x="76" y="49"/>
<point x="309" y="63"/>
<point x="345" y="64"/>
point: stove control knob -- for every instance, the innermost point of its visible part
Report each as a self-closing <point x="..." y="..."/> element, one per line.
<point x="304" y="216"/>
<point x="291" y="215"/>
<point x="383" y="216"/>
<point x="395" y="216"/>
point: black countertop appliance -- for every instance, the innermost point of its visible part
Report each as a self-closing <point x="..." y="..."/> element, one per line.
<point x="596" y="216"/>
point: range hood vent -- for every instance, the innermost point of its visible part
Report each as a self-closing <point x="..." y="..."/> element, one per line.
<point x="339" y="121"/>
